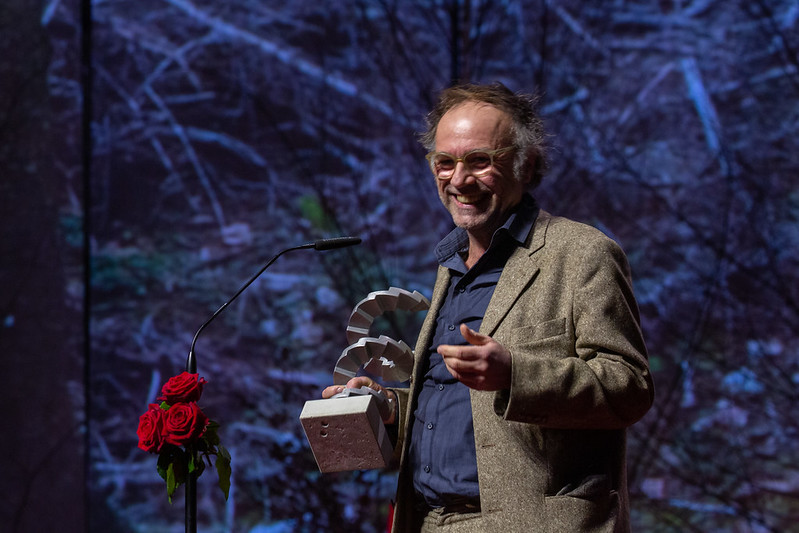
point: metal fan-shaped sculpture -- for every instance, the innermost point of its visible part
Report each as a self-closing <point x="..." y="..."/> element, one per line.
<point x="346" y="432"/>
<point x="381" y="356"/>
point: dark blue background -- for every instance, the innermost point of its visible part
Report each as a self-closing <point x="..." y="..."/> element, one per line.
<point x="155" y="153"/>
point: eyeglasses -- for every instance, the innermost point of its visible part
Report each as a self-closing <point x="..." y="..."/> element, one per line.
<point x="478" y="163"/>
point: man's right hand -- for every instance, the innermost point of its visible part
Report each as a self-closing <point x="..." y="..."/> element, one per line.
<point x="365" y="381"/>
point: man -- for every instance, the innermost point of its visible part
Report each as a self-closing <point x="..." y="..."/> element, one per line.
<point x="530" y="363"/>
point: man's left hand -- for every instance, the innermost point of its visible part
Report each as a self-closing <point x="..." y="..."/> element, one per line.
<point x="483" y="364"/>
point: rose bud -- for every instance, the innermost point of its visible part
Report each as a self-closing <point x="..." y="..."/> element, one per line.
<point x="184" y="387"/>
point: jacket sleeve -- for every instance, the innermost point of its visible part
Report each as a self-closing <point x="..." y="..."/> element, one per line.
<point x="581" y="363"/>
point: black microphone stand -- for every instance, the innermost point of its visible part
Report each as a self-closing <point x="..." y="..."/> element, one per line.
<point x="191" y="360"/>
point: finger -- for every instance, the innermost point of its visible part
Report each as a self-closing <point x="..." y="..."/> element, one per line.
<point x="461" y="369"/>
<point x="452" y="370"/>
<point x="459" y="366"/>
<point x="363" y="381"/>
<point x="356" y="383"/>
<point x="331" y="391"/>
<point x="457" y="352"/>
<point x="473" y="337"/>
<point x="463" y="374"/>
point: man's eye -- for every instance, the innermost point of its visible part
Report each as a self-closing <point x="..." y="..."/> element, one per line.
<point x="445" y="163"/>
<point x="479" y="160"/>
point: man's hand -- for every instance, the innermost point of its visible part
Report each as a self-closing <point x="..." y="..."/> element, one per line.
<point x="365" y="381"/>
<point x="482" y="365"/>
<point x="354" y="383"/>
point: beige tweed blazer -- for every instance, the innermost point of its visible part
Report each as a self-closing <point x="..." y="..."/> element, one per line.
<point x="551" y="449"/>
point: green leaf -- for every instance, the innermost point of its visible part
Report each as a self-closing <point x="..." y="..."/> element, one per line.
<point x="169" y="454"/>
<point x="171" y="482"/>
<point x="180" y="465"/>
<point x="211" y="435"/>
<point x="192" y="462"/>
<point x="162" y="465"/>
<point x="224" y="453"/>
<point x="223" y="470"/>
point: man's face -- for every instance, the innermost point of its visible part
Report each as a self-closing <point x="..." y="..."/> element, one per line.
<point x="478" y="205"/>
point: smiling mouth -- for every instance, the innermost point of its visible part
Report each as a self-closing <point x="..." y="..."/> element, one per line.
<point x="468" y="199"/>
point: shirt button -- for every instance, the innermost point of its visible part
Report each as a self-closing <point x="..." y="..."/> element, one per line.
<point x="451" y="327"/>
<point x="429" y="425"/>
<point x="426" y="469"/>
<point x="440" y="387"/>
<point x="462" y="290"/>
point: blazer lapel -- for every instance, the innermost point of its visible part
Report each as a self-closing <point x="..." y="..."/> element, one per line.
<point x="519" y="272"/>
<point x="428" y="326"/>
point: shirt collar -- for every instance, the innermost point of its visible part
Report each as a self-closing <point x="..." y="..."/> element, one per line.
<point x="517" y="227"/>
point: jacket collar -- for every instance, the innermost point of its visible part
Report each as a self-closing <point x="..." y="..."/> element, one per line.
<point x="519" y="272"/>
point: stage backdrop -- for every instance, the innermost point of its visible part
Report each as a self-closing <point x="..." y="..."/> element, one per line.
<point x="156" y="153"/>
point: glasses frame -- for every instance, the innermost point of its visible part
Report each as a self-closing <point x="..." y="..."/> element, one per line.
<point x="477" y="173"/>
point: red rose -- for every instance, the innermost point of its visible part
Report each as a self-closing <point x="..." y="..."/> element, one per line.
<point x="151" y="428"/>
<point x="183" y="423"/>
<point x="184" y="387"/>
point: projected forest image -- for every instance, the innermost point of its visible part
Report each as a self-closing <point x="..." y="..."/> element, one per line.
<point x="157" y="153"/>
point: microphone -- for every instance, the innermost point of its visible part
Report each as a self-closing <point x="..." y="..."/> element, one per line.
<point x="321" y="244"/>
<point x="337" y="242"/>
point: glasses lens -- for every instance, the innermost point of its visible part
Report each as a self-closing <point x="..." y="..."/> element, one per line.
<point x="443" y="164"/>
<point x="478" y="162"/>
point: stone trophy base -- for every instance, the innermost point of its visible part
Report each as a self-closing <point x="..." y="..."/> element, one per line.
<point x="346" y="432"/>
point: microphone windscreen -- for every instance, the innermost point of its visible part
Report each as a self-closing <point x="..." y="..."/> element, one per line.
<point x="336" y="242"/>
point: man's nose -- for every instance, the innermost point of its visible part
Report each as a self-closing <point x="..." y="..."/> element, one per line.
<point x="462" y="175"/>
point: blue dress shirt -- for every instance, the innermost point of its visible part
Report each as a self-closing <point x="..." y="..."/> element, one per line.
<point x="442" y="454"/>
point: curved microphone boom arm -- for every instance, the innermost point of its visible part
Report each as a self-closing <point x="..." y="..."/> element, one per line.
<point x="322" y="244"/>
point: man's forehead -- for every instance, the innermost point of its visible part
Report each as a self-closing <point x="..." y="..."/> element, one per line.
<point x="474" y="118"/>
<point x="473" y="108"/>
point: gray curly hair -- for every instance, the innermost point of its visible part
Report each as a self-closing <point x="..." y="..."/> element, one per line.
<point x="527" y="129"/>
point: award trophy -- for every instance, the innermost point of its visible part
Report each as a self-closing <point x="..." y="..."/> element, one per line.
<point x="346" y="432"/>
